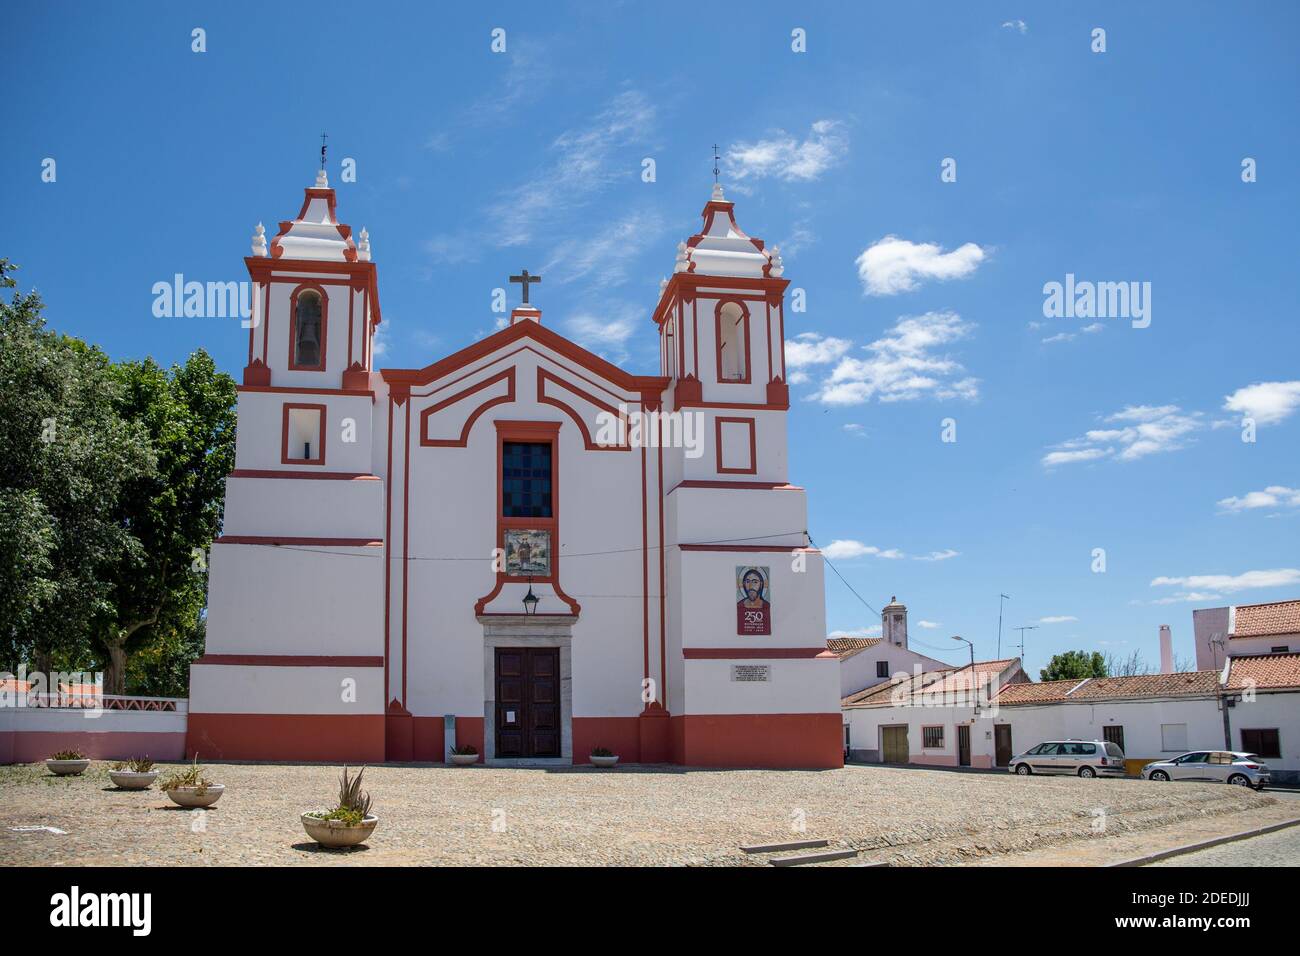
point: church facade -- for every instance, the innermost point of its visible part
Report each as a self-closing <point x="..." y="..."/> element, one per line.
<point x="520" y="547"/>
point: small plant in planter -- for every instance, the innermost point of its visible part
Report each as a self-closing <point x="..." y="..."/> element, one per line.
<point x="603" y="757"/>
<point x="134" y="774"/>
<point x="67" y="763"/>
<point x="350" y="822"/>
<point x="464" y="754"/>
<point x="190" y="788"/>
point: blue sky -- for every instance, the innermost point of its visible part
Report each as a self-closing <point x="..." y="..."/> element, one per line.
<point x="1116" y="166"/>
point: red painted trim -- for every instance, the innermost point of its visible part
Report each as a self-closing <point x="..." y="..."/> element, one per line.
<point x="508" y="376"/>
<point x="768" y="326"/>
<point x="753" y="449"/>
<point x="252" y="327"/>
<point x="544" y="376"/>
<point x="266" y="323"/>
<point x="274" y="539"/>
<point x="645" y="571"/>
<point x="717" y="340"/>
<point x="541" y="432"/>
<point x="687" y="285"/>
<point x="289" y="660"/>
<point x="284" y="435"/>
<point x="284" y="390"/>
<point x="758" y="653"/>
<point x="743" y="485"/>
<point x="735" y="406"/>
<point x="781" y="313"/>
<point x="334" y="475"/>
<point x="774" y="548"/>
<point x="406" y="534"/>
<point x="543" y="336"/>
<point x="388" y="536"/>
<point x="351" y="311"/>
<point x="317" y="288"/>
<point x="663" y="628"/>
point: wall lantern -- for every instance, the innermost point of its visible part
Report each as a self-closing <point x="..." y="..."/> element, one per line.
<point x="531" y="600"/>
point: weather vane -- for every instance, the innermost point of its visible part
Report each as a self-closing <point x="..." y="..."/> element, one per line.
<point x="716" y="157"/>
<point x="322" y="150"/>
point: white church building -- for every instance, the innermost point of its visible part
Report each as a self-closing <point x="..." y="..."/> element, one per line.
<point x="510" y="547"/>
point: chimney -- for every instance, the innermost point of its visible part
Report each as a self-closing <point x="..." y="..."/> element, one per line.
<point x="1166" y="650"/>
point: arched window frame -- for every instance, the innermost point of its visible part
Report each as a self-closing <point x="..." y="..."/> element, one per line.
<point x="744" y="338"/>
<point x="293" y="327"/>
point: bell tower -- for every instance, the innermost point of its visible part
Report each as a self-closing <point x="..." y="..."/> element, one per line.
<point x="315" y="301"/>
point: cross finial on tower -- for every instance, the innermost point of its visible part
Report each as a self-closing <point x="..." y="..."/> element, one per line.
<point x="525" y="280"/>
<point x="322" y="150"/>
<point x="716" y="157"/>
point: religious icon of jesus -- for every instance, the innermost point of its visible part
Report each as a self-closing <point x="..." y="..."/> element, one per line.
<point x="753" y="609"/>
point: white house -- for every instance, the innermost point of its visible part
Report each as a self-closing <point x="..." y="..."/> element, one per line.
<point x="868" y="661"/>
<point x="520" y="546"/>
<point x="1252" y="705"/>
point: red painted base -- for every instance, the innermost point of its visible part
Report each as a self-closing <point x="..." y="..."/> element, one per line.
<point x="33" y="746"/>
<point x="795" y="741"/>
<point x="336" y="738"/>
<point x="619" y="734"/>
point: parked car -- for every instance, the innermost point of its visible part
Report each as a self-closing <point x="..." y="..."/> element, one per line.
<point x="1222" y="766"/>
<point x="1086" y="758"/>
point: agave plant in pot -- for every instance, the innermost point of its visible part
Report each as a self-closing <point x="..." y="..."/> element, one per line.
<point x="603" y="757"/>
<point x="347" y="824"/>
<point x="134" y="774"/>
<point x="67" y="763"/>
<point x="464" y="754"/>
<point x="190" y="788"/>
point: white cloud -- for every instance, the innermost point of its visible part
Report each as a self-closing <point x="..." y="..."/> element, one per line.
<point x="938" y="555"/>
<point x="847" y="549"/>
<point x="1276" y="578"/>
<point x="811" y="348"/>
<point x="1199" y="596"/>
<point x="1095" y="327"/>
<point x="895" y="265"/>
<point x="1266" y="402"/>
<point x="869" y="631"/>
<point x="603" y="258"/>
<point x="856" y="430"/>
<point x="1059" y="337"/>
<point x="928" y="625"/>
<point x="606" y="334"/>
<point x="1274" y="496"/>
<point x="1145" y="430"/>
<point x="1018" y="25"/>
<point x="383" y="336"/>
<point x="785" y="157"/>
<point x="903" y="365"/>
<point x="1056" y="619"/>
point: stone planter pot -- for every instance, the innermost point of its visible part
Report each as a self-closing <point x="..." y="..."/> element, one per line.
<point x="603" y="761"/>
<point x="196" y="796"/>
<point x="336" y="833"/>
<point x="464" y="760"/>
<point x="66" y="768"/>
<point x="132" y="779"/>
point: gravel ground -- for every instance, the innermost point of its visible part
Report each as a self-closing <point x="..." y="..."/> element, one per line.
<point x="630" y="816"/>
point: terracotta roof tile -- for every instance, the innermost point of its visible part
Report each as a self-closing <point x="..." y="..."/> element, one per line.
<point x="1261" y="620"/>
<point x="844" y="646"/>
<point x="1265" y="671"/>
<point x="950" y="681"/>
<point x="1182" y="684"/>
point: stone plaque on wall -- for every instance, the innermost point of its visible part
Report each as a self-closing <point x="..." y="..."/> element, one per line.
<point x="751" y="673"/>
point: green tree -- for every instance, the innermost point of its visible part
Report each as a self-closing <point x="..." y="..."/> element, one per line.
<point x="1074" y="665"/>
<point x="65" y="455"/>
<point x="158" y="591"/>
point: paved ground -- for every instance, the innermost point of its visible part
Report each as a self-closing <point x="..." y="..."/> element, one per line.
<point x="638" y="816"/>
<point x="1270" y="849"/>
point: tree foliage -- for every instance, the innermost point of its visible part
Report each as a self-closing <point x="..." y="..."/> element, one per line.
<point x="1074" y="665"/>
<point x="111" y="487"/>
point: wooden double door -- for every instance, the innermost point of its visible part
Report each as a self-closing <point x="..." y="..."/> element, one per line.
<point x="893" y="742"/>
<point x="527" y="702"/>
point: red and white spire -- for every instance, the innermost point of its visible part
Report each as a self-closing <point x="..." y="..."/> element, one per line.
<point x="316" y="233"/>
<point x="720" y="248"/>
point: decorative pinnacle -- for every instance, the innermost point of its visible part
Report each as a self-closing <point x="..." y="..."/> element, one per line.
<point x="259" y="240"/>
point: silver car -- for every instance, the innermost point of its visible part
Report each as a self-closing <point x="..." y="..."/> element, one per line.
<point x="1086" y="758"/>
<point x="1219" y="766"/>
